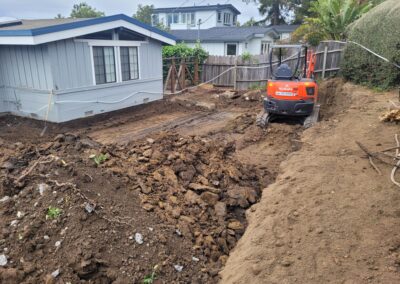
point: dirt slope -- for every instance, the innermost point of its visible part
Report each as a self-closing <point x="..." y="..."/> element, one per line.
<point x="329" y="217"/>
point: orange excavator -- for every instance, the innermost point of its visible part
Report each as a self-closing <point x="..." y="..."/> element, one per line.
<point x="291" y="93"/>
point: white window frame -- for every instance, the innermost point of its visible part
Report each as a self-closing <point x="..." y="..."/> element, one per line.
<point x="265" y="46"/>
<point x="219" y="17"/>
<point x="120" y="65"/>
<point x="231" y="43"/>
<point x="227" y="19"/>
<point x="117" y="57"/>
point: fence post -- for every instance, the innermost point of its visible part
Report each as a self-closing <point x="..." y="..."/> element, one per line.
<point x="173" y="73"/>
<point x="196" y="71"/>
<point x="235" y="74"/>
<point x="324" y="61"/>
<point x="183" y="75"/>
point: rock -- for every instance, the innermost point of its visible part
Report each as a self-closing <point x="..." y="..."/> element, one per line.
<point x="143" y="188"/>
<point x="254" y="95"/>
<point x="235" y="225"/>
<point x="42" y="187"/>
<point x="8" y="165"/>
<point x="195" y="259"/>
<point x="139" y="238"/>
<point x="241" y="196"/>
<point x="3" y="260"/>
<point x="4" y="199"/>
<point x="187" y="219"/>
<point x="191" y="197"/>
<point x="230" y="94"/>
<point x="178" y="268"/>
<point x="57" y="244"/>
<point x="202" y="187"/>
<point x="55" y="273"/>
<point x="89" y="207"/>
<point x="150" y="140"/>
<point x="209" y="197"/>
<point x="148" y="207"/>
<point x="59" y="138"/>
<point x="147" y="153"/>
<point x="220" y="209"/>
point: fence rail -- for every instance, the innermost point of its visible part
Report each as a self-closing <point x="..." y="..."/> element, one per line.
<point x="256" y="70"/>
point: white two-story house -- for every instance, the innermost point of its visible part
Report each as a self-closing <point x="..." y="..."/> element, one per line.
<point x="205" y="17"/>
<point x="215" y="27"/>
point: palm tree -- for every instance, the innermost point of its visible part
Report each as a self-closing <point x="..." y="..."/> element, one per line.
<point x="333" y="16"/>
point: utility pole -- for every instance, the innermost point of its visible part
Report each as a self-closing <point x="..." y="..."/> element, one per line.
<point x="198" y="30"/>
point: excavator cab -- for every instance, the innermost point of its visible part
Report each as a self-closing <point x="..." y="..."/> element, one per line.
<point x="290" y="92"/>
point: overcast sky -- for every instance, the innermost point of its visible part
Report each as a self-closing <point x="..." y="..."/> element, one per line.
<point x="36" y="9"/>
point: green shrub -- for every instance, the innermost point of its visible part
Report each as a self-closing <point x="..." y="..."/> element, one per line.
<point x="379" y="31"/>
<point x="181" y="50"/>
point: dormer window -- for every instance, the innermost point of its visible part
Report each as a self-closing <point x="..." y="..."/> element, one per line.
<point x="234" y="20"/>
<point x="219" y="17"/>
<point x="227" y="19"/>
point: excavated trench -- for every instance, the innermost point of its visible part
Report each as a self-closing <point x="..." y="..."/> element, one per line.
<point x="170" y="202"/>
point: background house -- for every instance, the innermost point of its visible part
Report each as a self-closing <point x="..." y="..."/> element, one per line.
<point x="230" y="40"/>
<point x="207" y="16"/>
<point x="63" y="69"/>
<point x="214" y="26"/>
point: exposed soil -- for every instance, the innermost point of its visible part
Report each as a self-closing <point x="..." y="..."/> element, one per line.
<point x="179" y="174"/>
<point x="329" y="217"/>
<point x="190" y="185"/>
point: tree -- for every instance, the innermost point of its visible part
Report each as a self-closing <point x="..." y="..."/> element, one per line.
<point x="331" y="20"/>
<point x="334" y="16"/>
<point x="302" y="10"/>
<point x="250" y="23"/>
<point x="83" y="10"/>
<point x="59" y="16"/>
<point x="143" y="13"/>
<point x="275" y="11"/>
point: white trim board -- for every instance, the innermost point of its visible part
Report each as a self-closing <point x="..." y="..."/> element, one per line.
<point x="104" y="42"/>
<point x="39" y="39"/>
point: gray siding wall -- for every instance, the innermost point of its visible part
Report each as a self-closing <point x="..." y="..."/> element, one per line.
<point x="150" y="61"/>
<point x="25" y="80"/>
<point x="61" y="73"/>
<point x="71" y="64"/>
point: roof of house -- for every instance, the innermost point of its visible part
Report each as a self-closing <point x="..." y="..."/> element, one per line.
<point x="222" y="34"/>
<point x="197" y="8"/>
<point x="33" y="32"/>
<point x="285" y="28"/>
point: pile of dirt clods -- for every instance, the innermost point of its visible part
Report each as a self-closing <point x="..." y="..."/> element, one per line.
<point x="167" y="207"/>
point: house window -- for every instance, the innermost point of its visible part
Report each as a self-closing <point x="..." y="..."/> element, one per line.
<point x="227" y="18"/>
<point x="234" y="20"/>
<point x="231" y="49"/>
<point x="169" y="19"/>
<point x="175" y="19"/>
<point x="265" y="47"/>
<point x="187" y="18"/>
<point x="104" y="64"/>
<point x="155" y="20"/>
<point x="129" y="63"/>
<point x="219" y="17"/>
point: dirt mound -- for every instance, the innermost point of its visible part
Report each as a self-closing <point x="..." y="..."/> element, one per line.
<point x="329" y="217"/>
<point x="333" y="98"/>
<point x="186" y="196"/>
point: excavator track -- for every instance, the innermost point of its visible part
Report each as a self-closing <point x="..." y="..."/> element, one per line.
<point x="313" y="117"/>
<point x="262" y="119"/>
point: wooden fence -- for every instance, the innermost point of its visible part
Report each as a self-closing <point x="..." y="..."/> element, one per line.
<point x="255" y="71"/>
